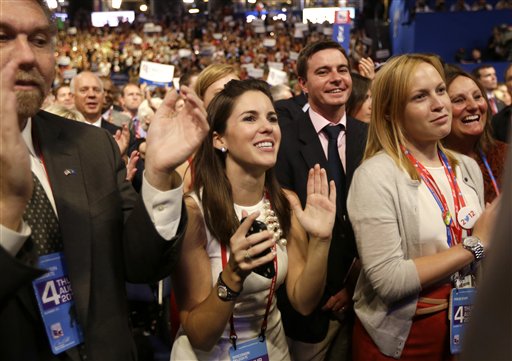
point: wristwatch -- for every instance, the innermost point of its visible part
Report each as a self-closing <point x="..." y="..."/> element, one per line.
<point x="224" y="292"/>
<point x="473" y="244"/>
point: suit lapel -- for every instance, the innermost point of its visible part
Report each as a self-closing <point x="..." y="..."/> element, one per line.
<point x="62" y="162"/>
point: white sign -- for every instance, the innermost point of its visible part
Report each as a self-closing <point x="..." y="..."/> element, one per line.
<point x="275" y="65"/>
<point x="185" y="53"/>
<point x="247" y="66"/>
<point x="276" y="77"/>
<point x="156" y="73"/>
<point x="294" y="55"/>
<point x="255" y="73"/>
<point x="269" y="42"/>
<point x="321" y="15"/>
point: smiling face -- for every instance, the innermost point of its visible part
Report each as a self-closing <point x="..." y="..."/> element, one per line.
<point x="27" y="40"/>
<point x="328" y="83"/>
<point x="427" y="115"/>
<point x="469" y="108"/>
<point x="252" y="134"/>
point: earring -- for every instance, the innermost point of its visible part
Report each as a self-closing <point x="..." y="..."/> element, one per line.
<point x="223" y="150"/>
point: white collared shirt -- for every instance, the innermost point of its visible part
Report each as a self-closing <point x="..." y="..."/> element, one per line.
<point x="319" y="122"/>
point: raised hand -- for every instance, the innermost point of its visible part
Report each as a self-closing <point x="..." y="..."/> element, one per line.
<point x="122" y="138"/>
<point x="173" y="137"/>
<point x="319" y="214"/>
<point x="15" y="176"/>
<point x="131" y="166"/>
<point x="367" y="68"/>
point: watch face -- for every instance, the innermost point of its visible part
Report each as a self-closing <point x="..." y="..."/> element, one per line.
<point x="471" y="242"/>
<point x="222" y="292"/>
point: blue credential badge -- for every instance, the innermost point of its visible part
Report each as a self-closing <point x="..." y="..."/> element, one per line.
<point x="461" y="305"/>
<point x="252" y="350"/>
<point x="55" y="300"/>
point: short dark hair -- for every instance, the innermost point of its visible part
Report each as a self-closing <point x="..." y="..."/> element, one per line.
<point x="309" y="50"/>
<point x="476" y="71"/>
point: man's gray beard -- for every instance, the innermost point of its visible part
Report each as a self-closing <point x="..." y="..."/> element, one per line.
<point x="28" y="103"/>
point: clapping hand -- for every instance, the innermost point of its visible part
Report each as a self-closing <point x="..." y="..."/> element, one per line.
<point x="367" y="68"/>
<point x="174" y="136"/>
<point x="318" y="216"/>
<point x="246" y="250"/>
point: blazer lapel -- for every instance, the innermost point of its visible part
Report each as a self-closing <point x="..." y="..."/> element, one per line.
<point x="62" y="162"/>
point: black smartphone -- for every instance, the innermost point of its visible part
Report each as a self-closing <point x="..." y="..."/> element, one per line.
<point x="266" y="270"/>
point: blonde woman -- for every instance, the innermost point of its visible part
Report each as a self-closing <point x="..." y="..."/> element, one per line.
<point x="407" y="205"/>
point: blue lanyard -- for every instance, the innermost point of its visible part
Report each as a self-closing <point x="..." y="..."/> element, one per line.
<point x="489" y="171"/>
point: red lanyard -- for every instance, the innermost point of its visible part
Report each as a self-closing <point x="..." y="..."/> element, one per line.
<point x="232" y="334"/>
<point x="453" y="229"/>
<point x="39" y="154"/>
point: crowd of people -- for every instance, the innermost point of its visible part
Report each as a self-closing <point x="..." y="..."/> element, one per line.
<point x="340" y="217"/>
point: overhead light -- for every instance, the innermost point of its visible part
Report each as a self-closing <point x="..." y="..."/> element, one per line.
<point x="52" y="4"/>
<point x="251" y="1"/>
<point x="116" y="4"/>
<point x="143" y="8"/>
<point x="188" y="1"/>
<point x="194" y="11"/>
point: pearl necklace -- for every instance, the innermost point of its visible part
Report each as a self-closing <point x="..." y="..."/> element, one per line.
<point x="272" y="222"/>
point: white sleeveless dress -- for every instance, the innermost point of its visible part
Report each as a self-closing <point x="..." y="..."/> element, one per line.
<point x="249" y="309"/>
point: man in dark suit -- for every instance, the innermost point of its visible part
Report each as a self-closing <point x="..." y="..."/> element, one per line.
<point x="324" y="75"/>
<point x="486" y="75"/>
<point x="89" y="217"/>
<point x="89" y="96"/>
<point x="502" y="121"/>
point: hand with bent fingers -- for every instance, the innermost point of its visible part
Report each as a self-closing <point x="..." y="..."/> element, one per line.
<point x="339" y="303"/>
<point x="131" y="165"/>
<point x="122" y="138"/>
<point x="173" y="137"/>
<point x="15" y="175"/>
<point x="366" y="68"/>
<point x="245" y="251"/>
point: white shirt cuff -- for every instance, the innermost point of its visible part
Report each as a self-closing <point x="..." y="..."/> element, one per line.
<point x="164" y="208"/>
<point x="12" y="241"/>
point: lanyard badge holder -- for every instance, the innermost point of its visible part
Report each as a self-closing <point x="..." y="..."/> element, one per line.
<point x="56" y="304"/>
<point x="254" y="349"/>
<point x="462" y="295"/>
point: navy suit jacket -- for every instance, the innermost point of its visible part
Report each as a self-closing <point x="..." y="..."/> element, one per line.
<point x="300" y="150"/>
<point x="108" y="238"/>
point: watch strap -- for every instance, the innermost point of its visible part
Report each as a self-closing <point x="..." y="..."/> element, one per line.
<point x="477" y="249"/>
<point x="229" y="293"/>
